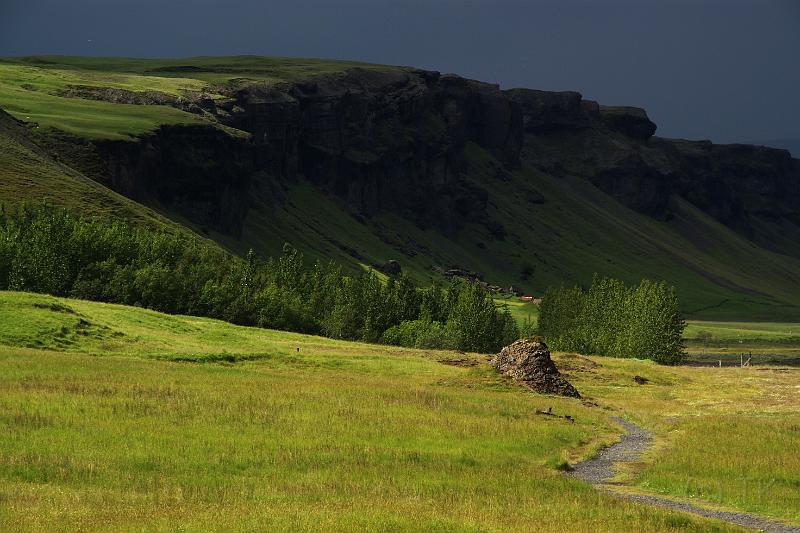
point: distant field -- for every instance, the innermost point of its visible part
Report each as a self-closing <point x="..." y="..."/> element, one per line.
<point x="735" y="331"/>
<point x="520" y="310"/>
<point x="126" y="419"/>
<point x="767" y="342"/>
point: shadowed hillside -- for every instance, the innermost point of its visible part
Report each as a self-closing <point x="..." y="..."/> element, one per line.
<point x="364" y="164"/>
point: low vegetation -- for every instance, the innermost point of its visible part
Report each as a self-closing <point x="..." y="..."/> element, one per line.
<point x="729" y="343"/>
<point x="725" y="437"/>
<point x="36" y="89"/>
<point x="117" y="426"/>
<point x="54" y="251"/>
<point x="614" y="319"/>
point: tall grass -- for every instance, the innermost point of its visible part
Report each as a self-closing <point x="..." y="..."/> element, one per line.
<point x="317" y="434"/>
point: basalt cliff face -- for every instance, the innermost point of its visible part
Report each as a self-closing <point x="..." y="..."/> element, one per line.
<point x="390" y="140"/>
<point x="395" y="141"/>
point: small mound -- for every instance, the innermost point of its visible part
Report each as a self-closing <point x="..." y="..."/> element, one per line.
<point x="528" y="361"/>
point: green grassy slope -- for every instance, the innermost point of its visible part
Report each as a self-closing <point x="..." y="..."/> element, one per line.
<point x="31" y="88"/>
<point x="209" y="69"/>
<point x="28" y="174"/>
<point x="31" y="95"/>
<point x="109" y="423"/>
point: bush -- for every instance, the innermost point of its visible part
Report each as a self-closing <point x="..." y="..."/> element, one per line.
<point x="614" y="319"/>
<point x="55" y="251"/>
<point x="422" y="333"/>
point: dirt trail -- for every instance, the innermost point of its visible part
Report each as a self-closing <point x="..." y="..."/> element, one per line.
<point x="600" y="470"/>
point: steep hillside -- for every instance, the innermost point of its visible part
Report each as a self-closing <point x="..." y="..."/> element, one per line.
<point x="364" y="164"/>
<point x="29" y="174"/>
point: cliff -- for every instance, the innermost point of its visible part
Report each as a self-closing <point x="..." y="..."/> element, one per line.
<point x="395" y="140"/>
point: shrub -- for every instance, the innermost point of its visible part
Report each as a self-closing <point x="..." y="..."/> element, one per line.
<point x="421" y="333"/>
<point x="55" y="251"/>
<point x="614" y="319"/>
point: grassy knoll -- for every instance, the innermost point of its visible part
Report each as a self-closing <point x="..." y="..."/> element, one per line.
<point x="107" y="426"/>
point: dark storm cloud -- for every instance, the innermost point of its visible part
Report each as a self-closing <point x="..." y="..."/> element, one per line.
<point x="722" y="69"/>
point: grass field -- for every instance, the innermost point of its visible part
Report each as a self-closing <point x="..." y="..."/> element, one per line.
<point x="126" y="419"/>
<point x="31" y="94"/>
<point x="729" y="342"/>
<point x="211" y="70"/>
<point x="724" y="436"/>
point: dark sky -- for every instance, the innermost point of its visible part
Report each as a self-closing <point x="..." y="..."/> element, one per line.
<point x="728" y="70"/>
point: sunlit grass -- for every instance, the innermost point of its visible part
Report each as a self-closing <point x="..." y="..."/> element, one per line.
<point x="31" y="88"/>
<point x="30" y="94"/>
<point x="726" y="436"/>
<point x="743" y="461"/>
<point x="338" y="436"/>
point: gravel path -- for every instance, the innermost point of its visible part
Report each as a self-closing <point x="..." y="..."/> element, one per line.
<point x="634" y="442"/>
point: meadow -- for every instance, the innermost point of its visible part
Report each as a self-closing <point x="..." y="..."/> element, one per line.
<point x="122" y="418"/>
<point x="709" y="342"/>
<point x="726" y="437"/>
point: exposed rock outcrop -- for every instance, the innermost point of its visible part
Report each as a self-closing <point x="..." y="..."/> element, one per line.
<point x="397" y="140"/>
<point x="190" y="102"/>
<point x="379" y="140"/>
<point x="391" y="267"/>
<point x="632" y="121"/>
<point x="200" y="172"/>
<point x="745" y="187"/>
<point x="528" y="362"/>
<point x="545" y="111"/>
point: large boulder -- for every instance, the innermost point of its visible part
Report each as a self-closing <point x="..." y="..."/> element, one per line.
<point x="392" y="268"/>
<point x="528" y="362"/>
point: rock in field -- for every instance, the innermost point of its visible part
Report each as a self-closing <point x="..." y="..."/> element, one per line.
<point x="528" y="361"/>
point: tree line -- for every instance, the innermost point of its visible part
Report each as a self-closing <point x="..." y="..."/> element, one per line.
<point x="615" y="319"/>
<point x="60" y="252"/>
